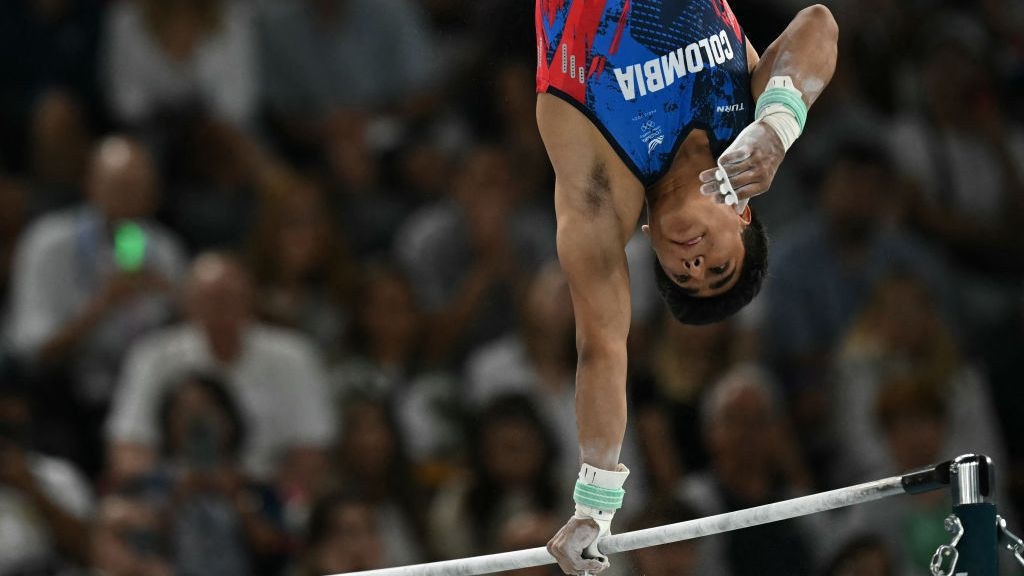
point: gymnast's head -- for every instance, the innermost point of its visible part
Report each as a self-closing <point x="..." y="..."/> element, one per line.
<point x="710" y="261"/>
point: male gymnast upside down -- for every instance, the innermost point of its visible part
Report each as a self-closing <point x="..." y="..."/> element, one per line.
<point x="654" y="100"/>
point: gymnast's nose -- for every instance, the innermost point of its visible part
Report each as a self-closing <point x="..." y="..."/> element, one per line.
<point x="694" y="267"/>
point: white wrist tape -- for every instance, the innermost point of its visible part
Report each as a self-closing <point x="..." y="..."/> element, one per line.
<point x="608" y="479"/>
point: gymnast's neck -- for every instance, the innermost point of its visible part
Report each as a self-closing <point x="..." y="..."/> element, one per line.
<point x="682" y="181"/>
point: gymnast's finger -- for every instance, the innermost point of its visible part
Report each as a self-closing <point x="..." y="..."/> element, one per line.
<point x="709" y="175"/>
<point x="751" y="190"/>
<point x="573" y="563"/>
<point x="737" y="169"/>
<point x="711" y="188"/>
<point x="745" y="179"/>
<point x="735" y="156"/>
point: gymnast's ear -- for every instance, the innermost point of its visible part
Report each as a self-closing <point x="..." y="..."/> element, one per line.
<point x="746" y="215"/>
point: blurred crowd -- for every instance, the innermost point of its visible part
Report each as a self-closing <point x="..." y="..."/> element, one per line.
<point x="280" y="295"/>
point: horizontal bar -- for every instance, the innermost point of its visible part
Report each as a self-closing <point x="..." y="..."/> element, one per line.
<point x="774" y="512"/>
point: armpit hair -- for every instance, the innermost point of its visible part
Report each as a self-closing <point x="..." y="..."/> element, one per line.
<point x="598" y="189"/>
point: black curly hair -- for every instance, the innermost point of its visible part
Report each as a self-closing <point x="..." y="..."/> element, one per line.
<point x="690" y="309"/>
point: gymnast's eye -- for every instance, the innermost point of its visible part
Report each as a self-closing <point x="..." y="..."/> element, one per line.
<point x="720" y="269"/>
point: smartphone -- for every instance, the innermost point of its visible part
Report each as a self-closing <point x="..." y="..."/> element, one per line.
<point x="129" y="246"/>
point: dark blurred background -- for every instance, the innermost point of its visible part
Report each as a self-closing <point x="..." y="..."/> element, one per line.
<point x="280" y="295"/>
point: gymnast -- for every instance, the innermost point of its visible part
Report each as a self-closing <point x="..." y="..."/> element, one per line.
<point x="663" y="103"/>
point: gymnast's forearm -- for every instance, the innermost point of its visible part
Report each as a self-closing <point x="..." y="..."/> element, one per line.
<point x="785" y="82"/>
<point x="805" y="51"/>
<point x="601" y="402"/>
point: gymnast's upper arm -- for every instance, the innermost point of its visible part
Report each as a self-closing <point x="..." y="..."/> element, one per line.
<point x="594" y="263"/>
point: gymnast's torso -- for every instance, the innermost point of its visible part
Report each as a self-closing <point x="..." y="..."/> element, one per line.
<point x="647" y="73"/>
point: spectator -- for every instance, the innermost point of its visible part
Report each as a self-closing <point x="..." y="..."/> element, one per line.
<point x="940" y="148"/>
<point x="753" y="462"/>
<point x="387" y="336"/>
<point x="273" y="375"/>
<point x="48" y="49"/>
<point x="466" y="255"/>
<point x="425" y="164"/>
<point x="371" y="460"/>
<point x="513" y="468"/>
<point x="130" y="539"/>
<point x="965" y="156"/>
<point x="903" y="333"/>
<point x="79" y="299"/>
<point x="822" y="274"/>
<point x="223" y="522"/>
<point x="375" y="193"/>
<point x="343" y="536"/>
<point x="219" y="172"/>
<point x="387" y="362"/>
<point x="538" y="360"/>
<point x="825" y="267"/>
<point x="683" y="360"/>
<point x="301" y="264"/>
<point x="322" y="56"/>
<point x="676" y="559"/>
<point x="515" y="98"/>
<point x="912" y="413"/>
<point x="45" y="503"/>
<point x="164" y="57"/>
<point x="328" y="99"/>
<point x="866" y="555"/>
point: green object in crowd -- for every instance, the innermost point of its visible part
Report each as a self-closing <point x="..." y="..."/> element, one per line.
<point x="129" y="247"/>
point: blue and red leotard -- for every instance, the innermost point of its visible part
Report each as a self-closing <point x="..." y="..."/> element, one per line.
<point x="647" y="72"/>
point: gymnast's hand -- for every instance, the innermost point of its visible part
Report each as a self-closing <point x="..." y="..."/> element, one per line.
<point x="570" y="543"/>
<point x="749" y="163"/>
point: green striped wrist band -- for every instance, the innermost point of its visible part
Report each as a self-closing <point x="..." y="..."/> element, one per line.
<point x="789" y="98"/>
<point x="597" y="497"/>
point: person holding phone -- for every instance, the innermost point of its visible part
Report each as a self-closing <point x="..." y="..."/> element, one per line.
<point x="89" y="280"/>
<point x="224" y="521"/>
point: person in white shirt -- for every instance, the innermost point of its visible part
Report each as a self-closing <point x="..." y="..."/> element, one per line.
<point x="77" y="302"/>
<point x="164" y="56"/>
<point x="45" y="503"/>
<point x="754" y="461"/>
<point x="275" y="375"/>
<point x="71" y="300"/>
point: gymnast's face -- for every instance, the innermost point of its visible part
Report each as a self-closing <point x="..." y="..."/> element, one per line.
<point x="699" y="243"/>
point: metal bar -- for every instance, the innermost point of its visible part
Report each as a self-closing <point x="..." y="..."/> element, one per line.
<point x="729" y="521"/>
